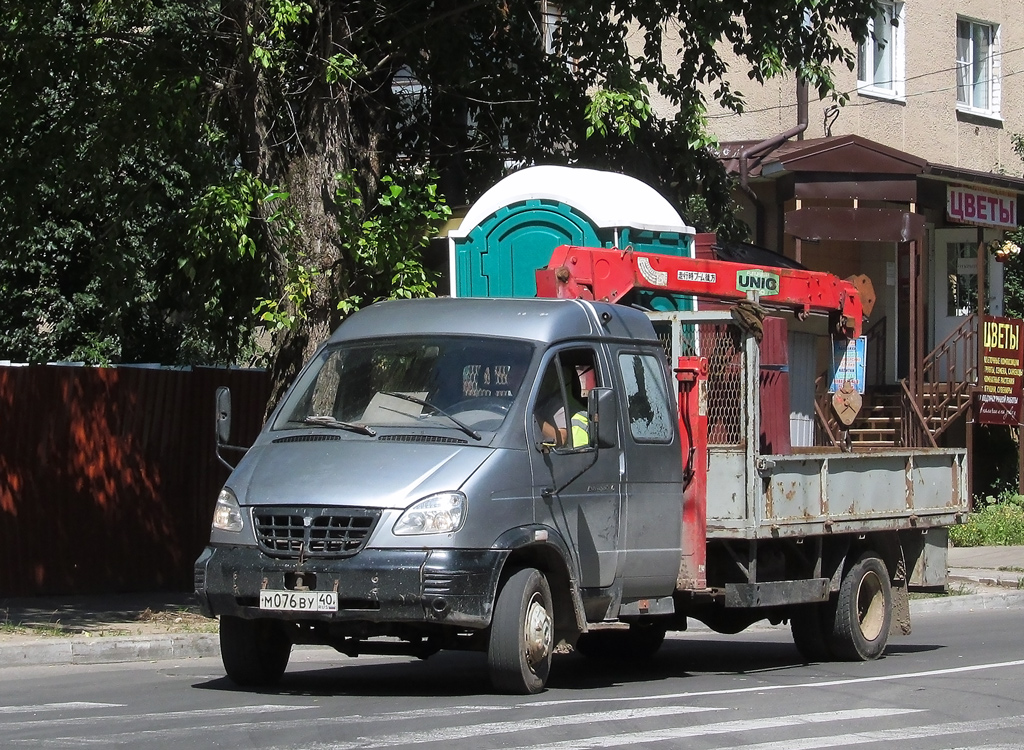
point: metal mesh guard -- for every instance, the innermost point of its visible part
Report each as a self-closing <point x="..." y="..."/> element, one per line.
<point x="721" y="344"/>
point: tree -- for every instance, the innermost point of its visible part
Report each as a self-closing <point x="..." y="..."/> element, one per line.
<point x="372" y="91"/>
<point x="1013" y="269"/>
<point x="106" y="143"/>
<point x="315" y="144"/>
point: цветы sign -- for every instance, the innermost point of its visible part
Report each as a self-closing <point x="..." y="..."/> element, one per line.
<point x="1002" y="368"/>
<point x="986" y="208"/>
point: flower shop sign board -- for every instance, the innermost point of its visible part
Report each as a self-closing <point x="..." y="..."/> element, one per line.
<point x="998" y="400"/>
<point x="984" y="208"/>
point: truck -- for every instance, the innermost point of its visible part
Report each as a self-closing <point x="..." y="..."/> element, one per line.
<point x="509" y="475"/>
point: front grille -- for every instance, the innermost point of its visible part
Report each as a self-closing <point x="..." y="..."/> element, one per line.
<point x="313" y="532"/>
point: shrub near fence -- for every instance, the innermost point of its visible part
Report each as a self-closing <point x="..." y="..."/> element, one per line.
<point x="108" y="476"/>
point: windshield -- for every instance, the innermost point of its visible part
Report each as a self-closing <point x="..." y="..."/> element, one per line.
<point x="447" y="382"/>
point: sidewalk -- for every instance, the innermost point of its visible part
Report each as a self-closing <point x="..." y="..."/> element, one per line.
<point x="143" y="627"/>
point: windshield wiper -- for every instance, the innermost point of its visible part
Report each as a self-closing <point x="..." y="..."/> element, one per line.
<point x="323" y="420"/>
<point x="417" y="400"/>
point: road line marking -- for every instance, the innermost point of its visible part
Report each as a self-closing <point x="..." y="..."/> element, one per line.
<point x="199" y="712"/>
<point x="723" y="727"/>
<point x="71" y="706"/>
<point x="436" y="735"/>
<point x="896" y="735"/>
<point x="797" y="686"/>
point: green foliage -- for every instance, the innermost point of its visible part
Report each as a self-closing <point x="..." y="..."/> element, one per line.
<point x="384" y="244"/>
<point x="999" y="522"/>
<point x="623" y="111"/>
<point x="1013" y="268"/>
<point x="105" y="149"/>
<point x="342" y="68"/>
<point x="272" y="29"/>
<point x="172" y="166"/>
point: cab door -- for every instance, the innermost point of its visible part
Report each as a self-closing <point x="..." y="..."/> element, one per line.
<point x="577" y="487"/>
<point x="652" y="526"/>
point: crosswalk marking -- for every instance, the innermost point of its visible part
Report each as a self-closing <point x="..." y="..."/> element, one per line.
<point x="505" y="727"/>
<point x="452" y="734"/>
<point x="71" y="706"/>
<point x="410" y="738"/>
<point x="194" y="713"/>
<point x="724" y="727"/>
<point x="901" y="734"/>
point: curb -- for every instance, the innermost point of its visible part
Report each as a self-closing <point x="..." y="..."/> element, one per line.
<point x="968" y="602"/>
<point x="107" y="649"/>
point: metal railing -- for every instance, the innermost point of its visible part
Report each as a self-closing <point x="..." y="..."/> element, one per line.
<point x="948" y="374"/>
<point x="915" y="431"/>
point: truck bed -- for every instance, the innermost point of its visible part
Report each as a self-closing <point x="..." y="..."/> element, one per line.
<point x="833" y="492"/>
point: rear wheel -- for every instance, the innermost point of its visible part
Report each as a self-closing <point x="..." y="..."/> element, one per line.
<point x="522" y="634"/>
<point x="640" y="641"/>
<point x="863" y="611"/>
<point x="254" y="652"/>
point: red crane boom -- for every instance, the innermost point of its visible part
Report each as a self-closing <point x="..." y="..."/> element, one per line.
<point x="608" y="275"/>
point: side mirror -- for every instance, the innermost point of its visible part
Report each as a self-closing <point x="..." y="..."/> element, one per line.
<point x="223" y="416"/>
<point x="222" y="425"/>
<point x="602" y="415"/>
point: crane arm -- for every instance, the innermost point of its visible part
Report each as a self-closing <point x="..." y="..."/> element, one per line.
<point x="610" y="274"/>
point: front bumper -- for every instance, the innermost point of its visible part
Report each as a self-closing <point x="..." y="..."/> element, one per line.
<point x="442" y="587"/>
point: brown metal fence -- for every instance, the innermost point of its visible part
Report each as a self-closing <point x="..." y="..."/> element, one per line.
<point x="108" y="475"/>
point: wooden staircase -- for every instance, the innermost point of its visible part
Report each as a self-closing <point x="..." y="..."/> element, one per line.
<point x="908" y="416"/>
<point x="878" y="424"/>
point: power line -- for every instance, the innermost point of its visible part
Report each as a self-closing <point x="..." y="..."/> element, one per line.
<point x="882" y="101"/>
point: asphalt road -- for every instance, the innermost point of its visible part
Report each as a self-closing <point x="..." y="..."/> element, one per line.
<point x="957" y="682"/>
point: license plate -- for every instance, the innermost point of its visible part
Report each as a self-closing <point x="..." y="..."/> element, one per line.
<point x="299" y="601"/>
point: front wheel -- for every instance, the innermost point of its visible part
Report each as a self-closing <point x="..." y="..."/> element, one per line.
<point x="522" y="634"/>
<point x="255" y="652"/>
<point x="863" y="611"/>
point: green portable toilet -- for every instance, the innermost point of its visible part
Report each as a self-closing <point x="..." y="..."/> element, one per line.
<point x="512" y="229"/>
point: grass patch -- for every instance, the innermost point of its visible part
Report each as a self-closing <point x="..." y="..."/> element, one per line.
<point x="11" y="628"/>
<point x="997" y="522"/>
<point x="958" y="588"/>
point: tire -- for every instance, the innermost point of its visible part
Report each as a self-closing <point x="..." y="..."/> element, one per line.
<point x="863" y="611"/>
<point x="522" y="634"/>
<point x="811" y="625"/>
<point x="255" y="652"/>
<point x="641" y="641"/>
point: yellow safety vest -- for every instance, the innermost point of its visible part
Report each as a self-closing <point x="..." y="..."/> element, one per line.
<point x="580" y="430"/>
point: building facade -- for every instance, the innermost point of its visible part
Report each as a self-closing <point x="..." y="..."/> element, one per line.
<point x="910" y="182"/>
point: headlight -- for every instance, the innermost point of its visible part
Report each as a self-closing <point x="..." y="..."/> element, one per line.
<point x="438" y="514"/>
<point x="227" y="516"/>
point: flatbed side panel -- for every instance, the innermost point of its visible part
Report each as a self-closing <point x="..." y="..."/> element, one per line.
<point x="837" y="493"/>
<point x="727" y="501"/>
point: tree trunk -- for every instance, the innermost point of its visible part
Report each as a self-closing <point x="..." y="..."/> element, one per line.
<point x="301" y="143"/>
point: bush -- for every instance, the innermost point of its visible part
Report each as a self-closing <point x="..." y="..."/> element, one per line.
<point x="999" y="522"/>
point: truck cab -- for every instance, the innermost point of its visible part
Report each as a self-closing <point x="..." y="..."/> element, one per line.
<point x="479" y="474"/>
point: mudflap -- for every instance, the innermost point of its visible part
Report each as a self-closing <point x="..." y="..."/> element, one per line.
<point x="900" y="622"/>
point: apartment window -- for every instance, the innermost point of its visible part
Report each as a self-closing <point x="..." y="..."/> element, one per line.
<point x="977" y="74"/>
<point x="880" y="68"/>
<point x="550" y="18"/>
